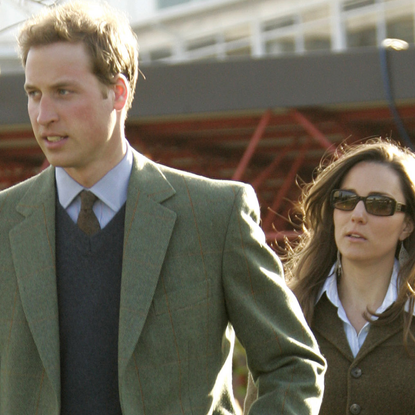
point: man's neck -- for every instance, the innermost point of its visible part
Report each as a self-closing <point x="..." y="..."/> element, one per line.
<point x="88" y="175"/>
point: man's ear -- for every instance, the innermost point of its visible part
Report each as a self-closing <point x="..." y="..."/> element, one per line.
<point x="121" y="92"/>
<point x="407" y="229"/>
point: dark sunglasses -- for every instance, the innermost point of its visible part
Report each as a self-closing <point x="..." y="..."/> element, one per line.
<point x="377" y="205"/>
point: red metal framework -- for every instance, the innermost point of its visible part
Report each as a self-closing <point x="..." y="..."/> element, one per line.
<point x="271" y="150"/>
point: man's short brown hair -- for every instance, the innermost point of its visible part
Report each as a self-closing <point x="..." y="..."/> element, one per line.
<point x="106" y="34"/>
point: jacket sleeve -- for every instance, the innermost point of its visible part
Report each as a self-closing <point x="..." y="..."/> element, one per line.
<point x="282" y="353"/>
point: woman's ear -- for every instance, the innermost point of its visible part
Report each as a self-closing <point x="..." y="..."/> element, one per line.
<point x="121" y="91"/>
<point x="408" y="227"/>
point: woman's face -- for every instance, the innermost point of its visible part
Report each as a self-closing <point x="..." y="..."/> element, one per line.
<point x="363" y="238"/>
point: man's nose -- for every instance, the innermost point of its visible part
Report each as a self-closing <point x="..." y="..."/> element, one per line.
<point x="46" y="111"/>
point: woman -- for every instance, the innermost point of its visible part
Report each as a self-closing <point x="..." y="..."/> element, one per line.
<point x="353" y="272"/>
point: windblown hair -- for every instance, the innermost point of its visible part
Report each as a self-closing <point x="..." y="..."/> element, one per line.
<point x="106" y="34"/>
<point x="309" y="260"/>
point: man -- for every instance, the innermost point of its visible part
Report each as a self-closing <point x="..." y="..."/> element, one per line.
<point x="128" y="304"/>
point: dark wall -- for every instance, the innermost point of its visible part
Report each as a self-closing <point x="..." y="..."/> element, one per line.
<point x="251" y="84"/>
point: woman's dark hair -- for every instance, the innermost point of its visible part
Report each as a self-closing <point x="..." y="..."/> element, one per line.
<point x="309" y="260"/>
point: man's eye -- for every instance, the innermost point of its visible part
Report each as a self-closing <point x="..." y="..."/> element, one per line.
<point x="33" y="94"/>
<point x="63" y="92"/>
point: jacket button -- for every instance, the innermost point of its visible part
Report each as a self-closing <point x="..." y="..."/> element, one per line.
<point x="356" y="372"/>
<point x="355" y="409"/>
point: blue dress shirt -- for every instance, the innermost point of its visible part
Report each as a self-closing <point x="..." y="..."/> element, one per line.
<point x="111" y="191"/>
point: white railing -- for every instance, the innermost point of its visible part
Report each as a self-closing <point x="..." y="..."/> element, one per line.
<point x="330" y="31"/>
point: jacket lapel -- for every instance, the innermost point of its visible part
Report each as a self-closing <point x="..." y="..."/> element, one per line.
<point x="379" y="334"/>
<point x="33" y="249"/>
<point x="327" y="323"/>
<point x="148" y="228"/>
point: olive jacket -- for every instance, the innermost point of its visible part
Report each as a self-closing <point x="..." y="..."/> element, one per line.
<point x="196" y="269"/>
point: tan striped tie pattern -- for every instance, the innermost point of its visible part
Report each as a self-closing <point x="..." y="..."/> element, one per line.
<point x="87" y="221"/>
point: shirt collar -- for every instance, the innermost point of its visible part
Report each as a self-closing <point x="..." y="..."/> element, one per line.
<point x="111" y="189"/>
<point x="330" y="288"/>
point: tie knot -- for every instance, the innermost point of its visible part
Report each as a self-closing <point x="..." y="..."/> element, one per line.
<point x="87" y="199"/>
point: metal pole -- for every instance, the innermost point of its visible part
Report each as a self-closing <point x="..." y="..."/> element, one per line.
<point x="249" y="152"/>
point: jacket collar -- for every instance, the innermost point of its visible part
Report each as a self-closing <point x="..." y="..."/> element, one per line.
<point x="327" y="324"/>
<point x="331" y="290"/>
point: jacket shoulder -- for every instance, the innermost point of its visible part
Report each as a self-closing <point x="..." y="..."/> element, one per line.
<point x="180" y="178"/>
<point x="10" y="196"/>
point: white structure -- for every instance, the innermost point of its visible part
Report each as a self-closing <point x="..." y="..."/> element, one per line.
<point x="172" y="31"/>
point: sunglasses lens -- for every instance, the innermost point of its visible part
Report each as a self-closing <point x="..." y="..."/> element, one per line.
<point x="380" y="205"/>
<point x="344" y="200"/>
<point x="375" y="204"/>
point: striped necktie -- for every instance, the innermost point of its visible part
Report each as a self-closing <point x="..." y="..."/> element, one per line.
<point x="87" y="221"/>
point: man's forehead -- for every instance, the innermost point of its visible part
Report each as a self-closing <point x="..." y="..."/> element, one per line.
<point x="57" y="64"/>
<point x="60" y="54"/>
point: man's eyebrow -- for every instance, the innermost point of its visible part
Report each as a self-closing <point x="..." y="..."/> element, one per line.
<point x="61" y="84"/>
<point x="28" y="86"/>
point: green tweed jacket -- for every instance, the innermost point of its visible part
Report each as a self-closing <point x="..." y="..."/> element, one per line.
<point x="196" y="269"/>
<point x="379" y="380"/>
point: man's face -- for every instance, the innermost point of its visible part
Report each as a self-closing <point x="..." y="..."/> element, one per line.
<point x="73" y="115"/>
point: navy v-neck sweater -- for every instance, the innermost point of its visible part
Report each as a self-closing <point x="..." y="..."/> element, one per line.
<point x="89" y="282"/>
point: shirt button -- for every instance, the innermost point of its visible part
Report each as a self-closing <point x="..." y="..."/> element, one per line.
<point x="355" y="409"/>
<point x="356" y="372"/>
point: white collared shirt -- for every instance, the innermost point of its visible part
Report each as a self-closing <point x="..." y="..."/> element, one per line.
<point x="357" y="339"/>
<point x="111" y="190"/>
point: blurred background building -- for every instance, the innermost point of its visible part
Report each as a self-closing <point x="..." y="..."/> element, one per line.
<point x="172" y="31"/>
<point x="253" y="90"/>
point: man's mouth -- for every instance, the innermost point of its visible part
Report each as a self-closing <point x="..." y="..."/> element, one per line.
<point x="54" y="138"/>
